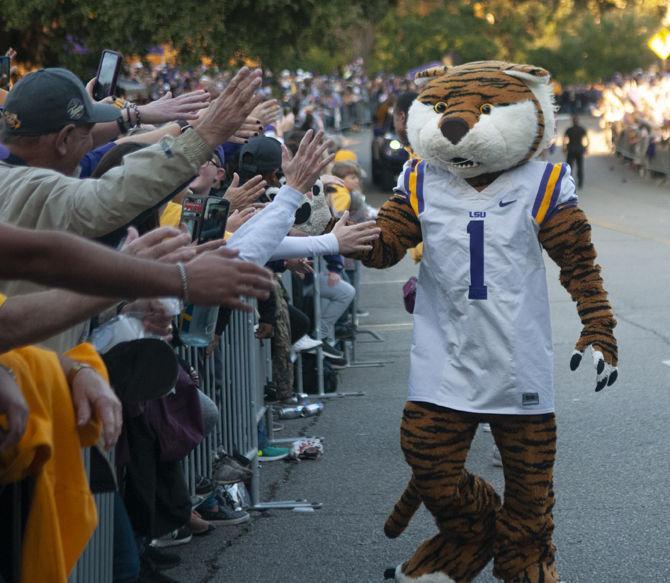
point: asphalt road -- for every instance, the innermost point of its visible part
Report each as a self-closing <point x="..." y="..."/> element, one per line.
<point x="612" y="475"/>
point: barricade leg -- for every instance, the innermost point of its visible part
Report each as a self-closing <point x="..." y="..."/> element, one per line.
<point x="319" y="351"/>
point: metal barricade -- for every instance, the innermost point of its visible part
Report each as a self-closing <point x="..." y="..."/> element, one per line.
<point x="95" y="563"/>
<point x="234" y="377"/>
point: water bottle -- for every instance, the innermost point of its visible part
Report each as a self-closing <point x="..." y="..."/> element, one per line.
<point x="197" y="324"/>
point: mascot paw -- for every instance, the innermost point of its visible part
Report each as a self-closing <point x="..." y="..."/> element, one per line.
<point x="606" y="373"/>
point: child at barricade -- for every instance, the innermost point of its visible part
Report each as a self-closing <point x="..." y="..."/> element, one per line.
<point x="348" y="195"/>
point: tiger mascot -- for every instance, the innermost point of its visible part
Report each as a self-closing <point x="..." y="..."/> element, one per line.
<point x="482" y="348"/>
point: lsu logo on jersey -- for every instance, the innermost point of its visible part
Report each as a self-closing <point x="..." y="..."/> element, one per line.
<point x="477" y="214"/>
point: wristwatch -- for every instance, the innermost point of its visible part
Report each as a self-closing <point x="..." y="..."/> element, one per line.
<point x="183" y="125"/>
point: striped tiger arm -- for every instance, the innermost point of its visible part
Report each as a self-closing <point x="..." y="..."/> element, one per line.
<point x="566" y="236"/>
<point x="400" y="230"/>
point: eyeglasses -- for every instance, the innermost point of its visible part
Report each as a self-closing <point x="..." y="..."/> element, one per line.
<point x="213" y="162"/>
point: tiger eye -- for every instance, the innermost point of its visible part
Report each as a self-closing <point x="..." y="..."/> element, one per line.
<point x="486" y="108"/>
<point x="440" y="107"/>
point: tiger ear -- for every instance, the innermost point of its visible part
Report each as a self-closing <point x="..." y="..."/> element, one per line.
<point x="424" y="76"/>
<point x="529" y="73"/>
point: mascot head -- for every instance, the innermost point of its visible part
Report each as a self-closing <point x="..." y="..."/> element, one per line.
<point x="481" y="117"/>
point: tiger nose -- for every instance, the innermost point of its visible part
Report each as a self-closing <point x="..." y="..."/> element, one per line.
<point x="454" y="129"/>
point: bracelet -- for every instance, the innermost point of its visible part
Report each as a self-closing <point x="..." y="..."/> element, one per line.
<point x="77" y="367"/>
<point x="9" y="371"/>
<point x="122" y="122"/>
<point x="184" y="281"/>
<point x="138" y="117"/>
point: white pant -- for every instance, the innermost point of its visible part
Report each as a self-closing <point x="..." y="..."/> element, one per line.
<point x="334" y="302"/>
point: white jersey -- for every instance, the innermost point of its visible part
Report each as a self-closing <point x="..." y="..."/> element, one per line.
<point x="482" y="333"/>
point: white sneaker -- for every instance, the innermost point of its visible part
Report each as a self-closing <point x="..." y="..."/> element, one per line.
<point x="497" y="460"/>
<point x="305" y="343"/>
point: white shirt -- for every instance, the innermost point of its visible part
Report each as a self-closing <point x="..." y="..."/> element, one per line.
<point x="482" y="333"/>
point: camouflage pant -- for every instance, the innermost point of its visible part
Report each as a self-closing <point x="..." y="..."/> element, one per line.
<point x="282" y="367"/>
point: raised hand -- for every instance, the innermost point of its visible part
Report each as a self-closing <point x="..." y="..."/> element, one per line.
<point x="302" y="170"/>
<point x="226" y="114"/>
<point x="605" y="354"/>
<point x="241" y="197"/>
<point x="238" y="218"/>
<point x="267" y="112"/>
<point x="169" y="108"/>
<point x="355" y="238"/>
<point x="217" y="278"/>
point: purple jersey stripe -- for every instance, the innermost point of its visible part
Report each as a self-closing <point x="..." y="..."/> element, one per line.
<point x="420" y="170"/>
<point x="543" y="187"/>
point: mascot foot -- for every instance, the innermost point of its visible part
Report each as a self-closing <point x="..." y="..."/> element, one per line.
<point x="400" y="577"/>
<point x="539" y="573"/>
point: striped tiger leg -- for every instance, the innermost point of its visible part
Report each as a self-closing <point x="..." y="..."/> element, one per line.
<point x="524" y="551"/>
<point x="435" y="441"/>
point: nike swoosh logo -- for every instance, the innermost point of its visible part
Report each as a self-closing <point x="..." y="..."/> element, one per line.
<point x="504" y="204"/>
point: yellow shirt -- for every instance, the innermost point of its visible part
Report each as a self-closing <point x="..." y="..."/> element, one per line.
<point x="171" y="216"/>
<point x="62" y="514"/>
<point x="340" y="199"/>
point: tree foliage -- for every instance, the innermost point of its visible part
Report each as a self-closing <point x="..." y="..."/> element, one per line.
<point x="275" y="32"/>
<point x="578" y="40"/>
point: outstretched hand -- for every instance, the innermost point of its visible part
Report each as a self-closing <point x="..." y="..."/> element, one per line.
<point x="218" y="278"/>
<point x="355" y="238"/>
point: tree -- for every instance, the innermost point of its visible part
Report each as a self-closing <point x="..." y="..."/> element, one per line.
<point x="275" y="32"/>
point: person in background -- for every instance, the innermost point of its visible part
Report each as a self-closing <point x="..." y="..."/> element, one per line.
<point x="575" y="145"/>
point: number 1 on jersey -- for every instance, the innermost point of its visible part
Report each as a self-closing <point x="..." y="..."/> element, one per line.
<point x="477" y="289"/>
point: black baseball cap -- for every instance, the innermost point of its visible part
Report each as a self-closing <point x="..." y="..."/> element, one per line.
<point x="261" y="154"/>
<point x="49" y="99"/>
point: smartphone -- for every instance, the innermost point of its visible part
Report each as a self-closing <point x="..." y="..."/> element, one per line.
<point x="108" y="73"/>
<point x="215" y="218"/>
<point x="192" y="212"/>
<point x="5" y="69"/>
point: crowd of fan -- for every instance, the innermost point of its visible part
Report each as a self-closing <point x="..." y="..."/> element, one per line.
<point x="91" y="197"/>
<point x="636" y="109"/>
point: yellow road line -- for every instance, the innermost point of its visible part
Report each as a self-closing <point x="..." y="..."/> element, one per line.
<point x="631" y="232"/>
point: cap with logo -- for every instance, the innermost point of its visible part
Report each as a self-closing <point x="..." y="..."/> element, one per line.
<point x="49" y="99"/>
<point x="261" y="154"/>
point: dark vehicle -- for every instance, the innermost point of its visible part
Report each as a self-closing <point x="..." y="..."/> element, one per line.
<point x="388" y="157"/>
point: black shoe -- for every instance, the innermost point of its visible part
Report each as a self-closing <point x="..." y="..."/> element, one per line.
<point x="141" y="370"/>
<point x="157" y="560"/>
<point x="330" y="352"/>
<point x="345" y="331"/>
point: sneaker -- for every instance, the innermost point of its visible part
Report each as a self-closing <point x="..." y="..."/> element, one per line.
<point x="338" y="363"/>
<point x="203" y="485"/>
<point x="497" y="460"/>
<point x="181" y="536"/>
<point x="226" y="473"/>
<point x="223" y="515"/>
<point x="330" y="352"/>
<point x="239" y="464"/>
<point x="345" y="331"/>
<point x="360" y="313"/>
<point x="159" y="560"/>
<point x="305" y="343"/>
<point x="271" y="454"/>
